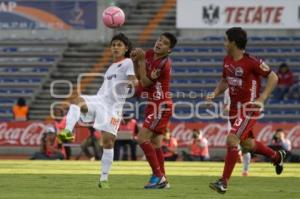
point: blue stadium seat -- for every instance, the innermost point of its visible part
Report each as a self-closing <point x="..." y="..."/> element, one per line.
<point x="203" y="50"/>
<point x="217" y="50"/>
<point x="179" y="70"/>
<point x="272" y="50"/>
<point x="283" y="38"/>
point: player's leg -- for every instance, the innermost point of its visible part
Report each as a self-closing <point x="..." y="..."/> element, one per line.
<point x="246" y="163"/>
<point x="157" y="142"/>
<point x="160" y="128"/>
<point x="108" y="140"/>
<point x="277" y="157"/>
<point x="239" y="131"/>
<point x="157" y="179"/>
<point x="107" y="120"/>
<point x="78" y="105"/>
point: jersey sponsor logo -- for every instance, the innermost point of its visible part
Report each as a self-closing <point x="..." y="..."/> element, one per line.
<point x="234" y="81"/>
<point x="239" y="72"/>
<point x="111" y="76"/>
<point x="114" y="121"/>
<point x="264" y="67"/>
<point x="253" y="90"/>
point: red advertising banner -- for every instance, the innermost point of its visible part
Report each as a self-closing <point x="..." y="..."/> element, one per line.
<point x="216" y="132"/>
<point x="29" y="133"/>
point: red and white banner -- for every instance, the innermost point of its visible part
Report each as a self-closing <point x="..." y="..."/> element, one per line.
<point x="222" y="14"/>
<point x="29" y="133"/>
<point x="216" y="132"/>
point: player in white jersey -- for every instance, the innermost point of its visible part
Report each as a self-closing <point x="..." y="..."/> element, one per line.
<point x="105" y="108"/>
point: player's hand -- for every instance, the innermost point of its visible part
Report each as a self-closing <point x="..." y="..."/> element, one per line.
<point x="137" y="54"/>
<point x="259" y="103"/>
<point x="155" y="74"/>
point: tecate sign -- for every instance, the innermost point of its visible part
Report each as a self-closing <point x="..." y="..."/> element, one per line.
<point x="261" y="14"/>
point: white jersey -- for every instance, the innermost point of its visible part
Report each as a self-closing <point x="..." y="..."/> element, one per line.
<point x="114" y="89"/>
<point x="105" y="108"/>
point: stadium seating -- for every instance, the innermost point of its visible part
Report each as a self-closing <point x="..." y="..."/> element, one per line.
<point x="196" y="69"/>
<point x="24" y="67"/>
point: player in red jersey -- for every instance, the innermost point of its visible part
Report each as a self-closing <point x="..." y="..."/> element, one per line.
<point x="153" y="70"/>
<point x="241" y="74"/>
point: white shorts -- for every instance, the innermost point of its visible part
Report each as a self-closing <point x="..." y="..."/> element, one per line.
<point x="105" y="117"/>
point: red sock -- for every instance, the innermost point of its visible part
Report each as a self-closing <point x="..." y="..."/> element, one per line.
<point x="266" y="151"/>
<point x="230" y="160"/>
<point x="161" y="159"/>
<point x="150" y="154"/>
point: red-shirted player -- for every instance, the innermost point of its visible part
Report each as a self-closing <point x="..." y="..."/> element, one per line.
<point x="153" y="69"/>
<point x="241" y="74"/>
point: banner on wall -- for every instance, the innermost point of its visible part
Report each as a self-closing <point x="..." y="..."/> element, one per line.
<point x="29" y="133"/>
<point x="221" y="14"/>
<point x="55" y="15"/>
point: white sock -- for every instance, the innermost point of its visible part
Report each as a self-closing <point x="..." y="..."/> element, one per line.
<point x="72" y="117"/>
<point x="246" y="161"/>
<point x="106" y="162"/>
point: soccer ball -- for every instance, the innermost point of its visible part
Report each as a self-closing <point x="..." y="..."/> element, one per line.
<point x="113" y="17"/>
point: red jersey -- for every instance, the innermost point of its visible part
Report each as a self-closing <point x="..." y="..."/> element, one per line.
<point x="243" y="78"/>
<point x="285" y="79"/>
<point x="159" y="90"/>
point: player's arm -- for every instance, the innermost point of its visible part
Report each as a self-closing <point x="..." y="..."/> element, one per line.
<point x="133" y="80"/>
<point x="221" y="87"/>
<point x="138" y="58"/>
<point x="272" y="80"/>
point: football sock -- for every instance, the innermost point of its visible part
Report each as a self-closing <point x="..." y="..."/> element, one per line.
<point x="230" y="160"/>
<point x="266" y="151"/>
<point x="151" y="157"/>
<point x="106" y="161"/>
<point x="161" y="159"/>
<point x="246" y="161"/>
<point x="72" y="117"/>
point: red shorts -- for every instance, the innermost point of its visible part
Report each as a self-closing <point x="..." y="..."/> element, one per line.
<point x="242" y="122"/>
<point x="157" y="117"/>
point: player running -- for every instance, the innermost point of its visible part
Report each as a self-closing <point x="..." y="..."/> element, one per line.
<point x="241" y="74"/>
<point x="105" y="108"/>
<point x="153" y="70"/>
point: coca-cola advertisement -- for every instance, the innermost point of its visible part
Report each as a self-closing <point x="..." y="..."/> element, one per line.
<point x="29" y="133"/>
<point x="216" y="132"/>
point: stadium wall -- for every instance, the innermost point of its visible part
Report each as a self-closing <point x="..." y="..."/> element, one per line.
<point x="23" y="138"/>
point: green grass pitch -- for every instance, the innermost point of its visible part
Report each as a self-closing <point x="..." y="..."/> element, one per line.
<point x="78" y="179"/>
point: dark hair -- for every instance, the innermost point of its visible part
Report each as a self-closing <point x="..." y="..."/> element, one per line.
<point x="171" y="37"/>
<point x="279" y="130"/>
<point x="121" y="37"/>
<point x="21" y="102"/>
<point x="283" y="65"/>
<point x="238" y="35"/>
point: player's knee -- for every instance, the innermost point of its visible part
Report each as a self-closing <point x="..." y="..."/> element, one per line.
<point x="141" y="139"/>
<point x="143" y="136"/>
<point x="79" y="101"/>
<point x="232" y="140"/>
<point x="108" y="142"/>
